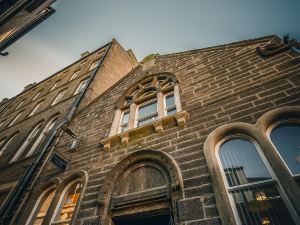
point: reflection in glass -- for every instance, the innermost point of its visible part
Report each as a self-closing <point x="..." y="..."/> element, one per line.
<point x="286" y="139"/>
<point x="261" y="205"/>
<point x="68" y="204"/>
<point x="241" y="162"/>
<point x="124" y="122"/>
<point x="147" y="113"/>
<point x="170" y="105"/>
<point x="251" y="186"/>
<point x="43" y="208"/>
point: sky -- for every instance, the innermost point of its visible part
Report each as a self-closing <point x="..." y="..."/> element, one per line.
<point x="156" y="26"/>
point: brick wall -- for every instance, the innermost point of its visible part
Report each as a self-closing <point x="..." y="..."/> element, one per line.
<point x="218" y="85"/>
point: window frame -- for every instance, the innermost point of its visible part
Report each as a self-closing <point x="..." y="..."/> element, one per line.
<point x="58" y="97"/>
<point x="15" y="119"/>
<point x="58" y="206"/>
<point x="35" y="109"/>
<point x="94" y="65"/>
<point x="74" y="75"/>
<point x="36" y="96"/>
<point x="7" y="142"/>
<point x="28" y="141"/>
<point x="20" y="104"/>
<point x="37" y="206"/>
<point x="85" y="82"/>
<point x="147" y="102"/>
<point x="269" y="168"/>
<point x="54" y="85"/>
<point x="268" y="133"/>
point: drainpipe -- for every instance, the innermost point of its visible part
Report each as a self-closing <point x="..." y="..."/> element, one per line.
<point x="11" y="203"/>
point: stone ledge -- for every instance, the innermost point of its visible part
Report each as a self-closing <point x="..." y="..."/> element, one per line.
<point x="158" y="125"/>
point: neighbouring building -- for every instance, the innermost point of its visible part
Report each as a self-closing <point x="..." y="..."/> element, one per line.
<point x="27" y="120"/>
<point x="202" y="137"/>
<point x="17" y="17"/>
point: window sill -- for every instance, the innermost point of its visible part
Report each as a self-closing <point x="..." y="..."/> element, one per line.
<point x="158" y="125"/>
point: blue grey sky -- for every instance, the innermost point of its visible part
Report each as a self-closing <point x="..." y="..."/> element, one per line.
<point x="156" y="26"/>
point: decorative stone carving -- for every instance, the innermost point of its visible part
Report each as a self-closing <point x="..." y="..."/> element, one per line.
<point x="181" y="118"/>
<point x="277" y="45"/>
<point x="123" y="138"/>
<point x="158" y="126"/>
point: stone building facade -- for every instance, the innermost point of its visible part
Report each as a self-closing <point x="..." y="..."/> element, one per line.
<point x="19" y="16"/>
<point x="203" y="137"/>
<point x="27" y="120"/>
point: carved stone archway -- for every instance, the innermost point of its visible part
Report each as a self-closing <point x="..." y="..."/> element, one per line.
<point x="143" y="182"/>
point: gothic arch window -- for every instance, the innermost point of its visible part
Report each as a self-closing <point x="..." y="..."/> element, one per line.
<point x="34" y="132"/>
<point x="67" y="203"/>
<point x="254" y="192"/>
<point x="285" y="136"/>
<point x="41" y="207"/>
<point x="152" y="98"/>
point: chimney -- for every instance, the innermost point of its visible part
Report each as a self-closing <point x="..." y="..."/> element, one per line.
<point x="84" y="54"/>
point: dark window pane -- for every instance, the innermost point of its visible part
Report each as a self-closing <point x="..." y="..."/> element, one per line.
<point x="171" y="111"/>
<point x="261" y="205"/>
<point x="286" y="139"/>
<point x="242" y="163"/>
<point x="148" y="109"/>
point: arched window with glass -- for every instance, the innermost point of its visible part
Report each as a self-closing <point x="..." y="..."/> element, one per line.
<point x="41" y="207"/>
<point x="27" y="142"/>
<point x="285" y="137"/>
<point x="42" y="135"/>
<point x="67" y="203"/>
<point x="254" y="192"/>
<point x="152" y="98"/>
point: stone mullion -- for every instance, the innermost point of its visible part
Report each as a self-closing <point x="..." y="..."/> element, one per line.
<point x="160" y="105"/>
<point x="116" y="122"/>
<point x="132" y="113"/>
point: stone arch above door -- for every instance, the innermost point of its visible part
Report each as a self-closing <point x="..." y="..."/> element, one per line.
<point x="142" y="178"/>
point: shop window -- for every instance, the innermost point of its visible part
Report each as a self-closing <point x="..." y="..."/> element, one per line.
<point x="254" y="192"/>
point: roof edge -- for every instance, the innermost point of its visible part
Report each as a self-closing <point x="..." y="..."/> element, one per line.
<point x="216" y="47"/>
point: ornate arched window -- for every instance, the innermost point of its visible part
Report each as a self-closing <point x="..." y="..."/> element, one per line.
<point x="256" y="196"/>
<point x="41" y="207"/>
<point x="152" y="98"/>
<point x="27" y="142"/>
<point x="285" y="136"/>
<point x="67" y="203"/>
